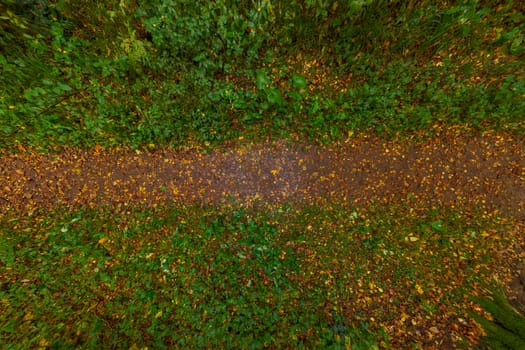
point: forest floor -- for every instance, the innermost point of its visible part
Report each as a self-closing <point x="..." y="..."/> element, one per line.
<point x="450" y="169"/>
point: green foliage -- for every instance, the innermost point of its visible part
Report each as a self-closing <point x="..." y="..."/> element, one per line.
<point x="215" y="280"/>
<point x="234" y="278"/>
<point x="171" y="72"/>
<point x="209" y="35"/>
<point x="507" y="328"/>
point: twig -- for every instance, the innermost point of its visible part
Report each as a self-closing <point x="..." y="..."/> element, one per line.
<point x="60" y="101"/>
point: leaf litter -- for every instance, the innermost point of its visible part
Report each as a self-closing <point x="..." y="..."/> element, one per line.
<point x="454" y="170"/>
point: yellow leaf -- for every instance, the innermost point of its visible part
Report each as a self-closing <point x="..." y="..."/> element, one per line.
<point x="158" y="314"/>
<point x="419" y="289"/>
<point x="350" y="134"/>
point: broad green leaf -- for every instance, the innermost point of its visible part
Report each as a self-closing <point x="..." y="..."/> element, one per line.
<point x="274" y="97"/>
<point x="64" y="87"/>
<point x="299" y="82"/>
<point x="261" y="80"/>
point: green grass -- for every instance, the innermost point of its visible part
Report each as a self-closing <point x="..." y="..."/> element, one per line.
<point x="201" y="277"/>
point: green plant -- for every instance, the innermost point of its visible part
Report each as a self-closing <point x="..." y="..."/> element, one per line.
<point x="506" y="329"/>
<point x="173" y="72"/>
<point x="332" y="276"/>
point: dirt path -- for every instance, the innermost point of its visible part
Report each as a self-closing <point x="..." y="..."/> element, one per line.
<point x="486" y="171"/>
